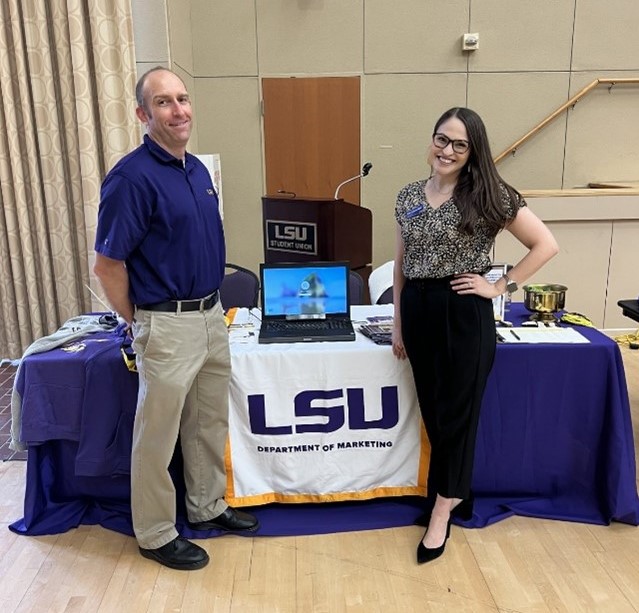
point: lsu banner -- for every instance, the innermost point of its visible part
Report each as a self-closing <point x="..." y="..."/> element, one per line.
<point x="323" y="425"/>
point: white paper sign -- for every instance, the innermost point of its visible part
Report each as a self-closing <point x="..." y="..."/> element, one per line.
<point x="214" y="166"/>
<point x="496" y="272"/>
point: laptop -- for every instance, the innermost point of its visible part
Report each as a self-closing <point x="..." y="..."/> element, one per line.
<point x="305" y="302"/>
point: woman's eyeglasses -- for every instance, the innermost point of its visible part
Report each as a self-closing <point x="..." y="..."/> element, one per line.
<point x="441" y="141"/>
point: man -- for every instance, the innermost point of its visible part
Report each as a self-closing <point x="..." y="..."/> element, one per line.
<point x="160" y="257"/>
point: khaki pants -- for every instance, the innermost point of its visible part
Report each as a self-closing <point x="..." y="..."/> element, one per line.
<point x="184" y="365"/>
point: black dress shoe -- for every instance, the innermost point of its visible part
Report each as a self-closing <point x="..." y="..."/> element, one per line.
<point x="179" y="554"/>
<point x="231" y="520"/>
<point x="426" y="554"/>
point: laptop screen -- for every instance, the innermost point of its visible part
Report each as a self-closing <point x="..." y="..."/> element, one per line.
<point x="305" y="290"/>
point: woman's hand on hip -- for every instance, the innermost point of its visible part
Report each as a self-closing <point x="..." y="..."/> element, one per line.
<point x="472" y="283"/>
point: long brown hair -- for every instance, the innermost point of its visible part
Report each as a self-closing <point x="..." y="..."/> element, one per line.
<point x="478" y="193"/>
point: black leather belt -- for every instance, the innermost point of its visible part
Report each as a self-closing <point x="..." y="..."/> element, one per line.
<point x="183" y="306"/>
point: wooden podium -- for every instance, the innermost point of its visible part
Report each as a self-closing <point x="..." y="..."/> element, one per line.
<point x="320" y="229"/>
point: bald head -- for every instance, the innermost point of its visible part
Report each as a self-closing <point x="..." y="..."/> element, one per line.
<point x="164" y="107"/>
<point x="139" y="87"/>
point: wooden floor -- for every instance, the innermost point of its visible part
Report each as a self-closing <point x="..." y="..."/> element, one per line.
<point x="516" y="565"/>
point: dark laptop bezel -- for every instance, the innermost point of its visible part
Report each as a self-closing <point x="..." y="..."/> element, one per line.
<point x="314" y="265"/>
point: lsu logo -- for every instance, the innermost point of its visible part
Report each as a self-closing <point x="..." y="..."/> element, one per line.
<point x="348" y="410"/>
<point x="298" y="233"/>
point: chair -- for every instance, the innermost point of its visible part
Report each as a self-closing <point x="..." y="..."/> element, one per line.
<point x="380" y="284"/>
<point x="386" y="297"/>
<point x="240" y="287"/>
<point x="356" y="287"/>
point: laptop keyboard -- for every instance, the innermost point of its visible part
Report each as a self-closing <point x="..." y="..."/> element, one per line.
<point x="309" y="325"/>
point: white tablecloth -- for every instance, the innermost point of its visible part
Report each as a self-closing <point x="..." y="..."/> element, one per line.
<point x="322" y="421"/>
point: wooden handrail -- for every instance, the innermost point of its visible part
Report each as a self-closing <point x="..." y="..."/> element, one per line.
<point x="578" y="96"/>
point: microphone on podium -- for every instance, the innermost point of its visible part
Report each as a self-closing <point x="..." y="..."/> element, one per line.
<point x="366" y="168"/>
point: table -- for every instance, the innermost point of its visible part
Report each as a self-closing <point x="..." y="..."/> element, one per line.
<point x="630" y="308"/>
<point x="554" y="441"/>
<point x="322" y="422"/>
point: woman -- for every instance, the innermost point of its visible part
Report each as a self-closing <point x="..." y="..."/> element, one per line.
<point x="444" y="320"/>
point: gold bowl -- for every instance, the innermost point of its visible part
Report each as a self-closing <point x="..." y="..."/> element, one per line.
<point x="544" y="297"/>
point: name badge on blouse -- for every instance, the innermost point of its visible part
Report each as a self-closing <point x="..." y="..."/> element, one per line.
<point x="414" y="212"/>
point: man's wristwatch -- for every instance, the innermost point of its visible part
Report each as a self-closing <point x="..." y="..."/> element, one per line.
<point x="511" y="286"/>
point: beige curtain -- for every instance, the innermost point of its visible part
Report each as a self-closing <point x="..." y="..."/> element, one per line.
<point x="67" y="78"/>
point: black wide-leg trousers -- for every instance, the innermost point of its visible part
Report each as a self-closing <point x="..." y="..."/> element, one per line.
<point x="450" y="343"/>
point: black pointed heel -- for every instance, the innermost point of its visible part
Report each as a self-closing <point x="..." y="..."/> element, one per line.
<point x="424" y="554"/>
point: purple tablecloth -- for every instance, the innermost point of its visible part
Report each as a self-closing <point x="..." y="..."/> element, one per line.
<point x="555" y="441"/>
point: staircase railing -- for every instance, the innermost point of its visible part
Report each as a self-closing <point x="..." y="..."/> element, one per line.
<point x="571" y="103"/>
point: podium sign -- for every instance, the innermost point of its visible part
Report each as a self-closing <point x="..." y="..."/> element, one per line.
<point x="291" y="236"/>
<point x="312" y="229"/>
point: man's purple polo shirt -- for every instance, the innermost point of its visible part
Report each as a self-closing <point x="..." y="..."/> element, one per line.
<point x="162" y="219"/>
